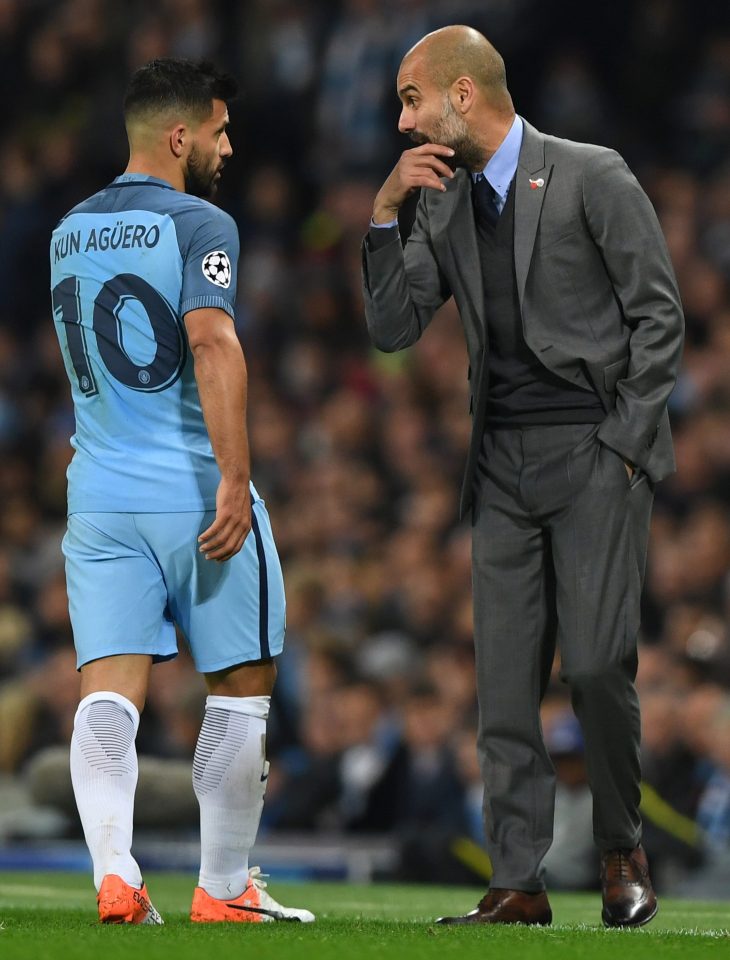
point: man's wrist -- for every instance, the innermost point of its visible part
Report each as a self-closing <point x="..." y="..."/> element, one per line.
<point x="384" y="216"/>
<point x="235" y="474"/>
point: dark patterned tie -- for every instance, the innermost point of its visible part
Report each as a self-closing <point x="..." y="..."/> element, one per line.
<point x="485" y="200"/>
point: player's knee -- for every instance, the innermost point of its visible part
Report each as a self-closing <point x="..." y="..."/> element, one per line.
<point x="126" y="675"/>
<point x="255" y="679"/>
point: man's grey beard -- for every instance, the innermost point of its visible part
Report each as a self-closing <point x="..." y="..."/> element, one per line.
<point x="450" y="130"/>
<point x="199" y="182"/>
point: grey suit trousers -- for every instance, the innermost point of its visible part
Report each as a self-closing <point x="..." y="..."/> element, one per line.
<point x="559" y="545"/>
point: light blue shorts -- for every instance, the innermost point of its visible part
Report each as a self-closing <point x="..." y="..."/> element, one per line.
<point x="132" y="576"/>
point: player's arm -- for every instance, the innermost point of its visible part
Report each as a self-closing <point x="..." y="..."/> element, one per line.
<point x="220" y="372"/>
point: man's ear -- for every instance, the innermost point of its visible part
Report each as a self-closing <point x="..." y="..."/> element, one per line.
<point x="463" y="92"/>
<point x="178" y="139"/>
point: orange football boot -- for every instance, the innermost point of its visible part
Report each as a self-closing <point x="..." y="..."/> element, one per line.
<point x="254" y="905"/>
<point x="120" y="903"/>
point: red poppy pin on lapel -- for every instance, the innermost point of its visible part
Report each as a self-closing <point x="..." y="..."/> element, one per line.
<point x="536" y="184"/>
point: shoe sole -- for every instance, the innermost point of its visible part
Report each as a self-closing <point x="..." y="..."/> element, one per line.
<point x="152" y="917"/>
<point x="231" y="920"/>
<point x="639" y="923"/>
<point x="460" y="922"/>
<point x="150" y="920"/>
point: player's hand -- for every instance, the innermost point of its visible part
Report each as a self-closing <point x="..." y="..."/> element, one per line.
<point x="226" y="535"/>
<point x="419" y="167"/>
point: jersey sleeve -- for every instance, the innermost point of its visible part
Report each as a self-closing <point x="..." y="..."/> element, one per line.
<point x="210" y="264"/>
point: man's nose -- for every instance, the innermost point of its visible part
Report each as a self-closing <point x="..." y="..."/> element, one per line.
<point x="406" y="122"/>
<point x="226" y="148"/>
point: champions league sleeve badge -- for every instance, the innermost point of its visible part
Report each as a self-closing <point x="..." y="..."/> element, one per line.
<point x="217" y="268"/>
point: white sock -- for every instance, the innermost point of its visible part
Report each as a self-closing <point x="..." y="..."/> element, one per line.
<point x="229" y="777"/>
<point x="104" y="777"/>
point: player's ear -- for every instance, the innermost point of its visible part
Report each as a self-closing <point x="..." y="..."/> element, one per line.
<point x="178" y="138"/>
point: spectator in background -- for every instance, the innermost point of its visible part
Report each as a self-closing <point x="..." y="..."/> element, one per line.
<point x="569" y="864"/>
<point x="422" y="792"/>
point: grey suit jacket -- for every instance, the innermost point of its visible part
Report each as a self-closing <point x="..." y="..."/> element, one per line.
<point x="597" y="291"/>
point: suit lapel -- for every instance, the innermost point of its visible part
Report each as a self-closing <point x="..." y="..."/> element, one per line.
<point x="528" y="200"/>
<point x="452" y="214"/>
<point x="452" y="217"/>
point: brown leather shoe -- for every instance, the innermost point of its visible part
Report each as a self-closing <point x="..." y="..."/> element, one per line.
<point x="507" y="906"/>
<point x="628" y="896"/>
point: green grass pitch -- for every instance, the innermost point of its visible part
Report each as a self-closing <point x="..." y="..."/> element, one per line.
<point x="44" y="916"/>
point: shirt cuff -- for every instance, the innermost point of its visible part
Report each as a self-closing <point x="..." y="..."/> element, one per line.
<point x="384" y="226"/>
<point x="382" y="234"/>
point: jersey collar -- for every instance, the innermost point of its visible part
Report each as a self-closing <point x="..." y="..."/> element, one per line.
<point x="125" y="178"/>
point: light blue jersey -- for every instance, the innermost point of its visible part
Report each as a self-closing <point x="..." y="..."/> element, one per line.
<point x="126" y="266"/>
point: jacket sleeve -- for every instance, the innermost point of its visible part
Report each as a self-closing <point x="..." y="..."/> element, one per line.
<point x="626" y="230"/>
<point x="402" y="289"/>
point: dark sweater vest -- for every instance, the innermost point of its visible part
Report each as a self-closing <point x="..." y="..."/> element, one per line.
<point x="521" y="390"/>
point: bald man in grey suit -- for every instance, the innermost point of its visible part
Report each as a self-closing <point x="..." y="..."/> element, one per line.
<point x="574" y="330"/>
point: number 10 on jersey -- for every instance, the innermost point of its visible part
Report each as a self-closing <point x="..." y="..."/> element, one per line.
<point x="122" y="290"/>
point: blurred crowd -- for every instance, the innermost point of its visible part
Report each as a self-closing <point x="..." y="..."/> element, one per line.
<point x="359" y="454"/>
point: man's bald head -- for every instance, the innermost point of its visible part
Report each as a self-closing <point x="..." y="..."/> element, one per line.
<point x="457" y="51"/>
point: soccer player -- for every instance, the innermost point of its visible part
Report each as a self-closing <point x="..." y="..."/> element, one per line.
<point x="164" y="526"/>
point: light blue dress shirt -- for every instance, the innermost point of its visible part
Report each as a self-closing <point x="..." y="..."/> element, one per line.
<point x="502" y="166"/>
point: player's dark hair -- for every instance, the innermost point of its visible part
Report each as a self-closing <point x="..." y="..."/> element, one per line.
<point x="172" y="83"/>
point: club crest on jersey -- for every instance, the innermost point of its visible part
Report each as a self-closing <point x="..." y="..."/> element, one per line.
<point x="217" y="268"/>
